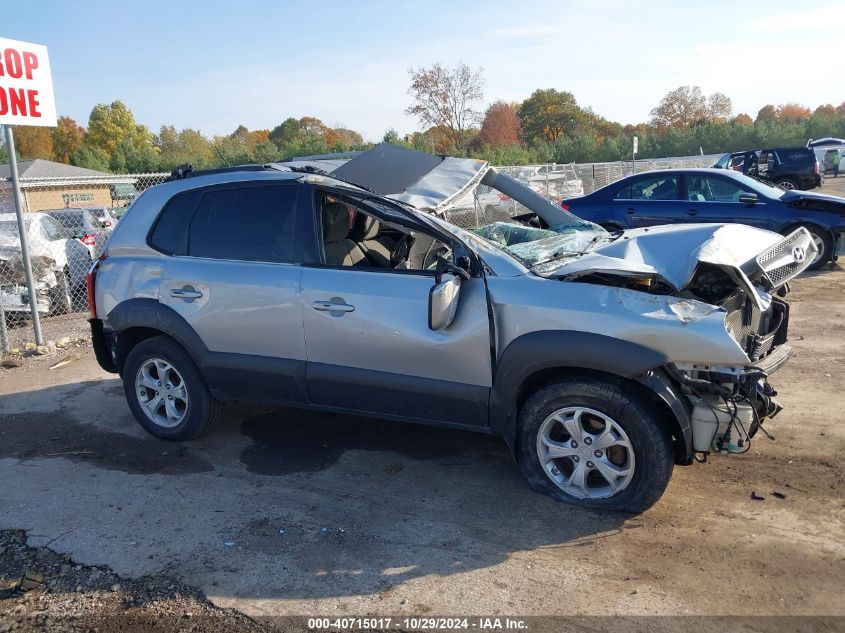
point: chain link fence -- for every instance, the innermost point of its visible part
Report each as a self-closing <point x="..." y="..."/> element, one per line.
<point x="68" y="222"/>
<point x="555" y="182"/>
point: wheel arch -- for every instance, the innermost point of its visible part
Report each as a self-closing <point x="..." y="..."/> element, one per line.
<point x="536" y="359"/>
<point x="136" y="320"/>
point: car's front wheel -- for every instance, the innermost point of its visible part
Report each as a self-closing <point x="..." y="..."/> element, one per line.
<point x="166" y="392"/>
<point x="823" y="242"/>
<point x="595" y="443"/>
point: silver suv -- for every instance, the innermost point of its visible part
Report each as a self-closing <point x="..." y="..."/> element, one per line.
<point x="600" y="358"/>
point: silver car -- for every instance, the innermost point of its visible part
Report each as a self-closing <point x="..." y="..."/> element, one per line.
<point x="601" y="359"/>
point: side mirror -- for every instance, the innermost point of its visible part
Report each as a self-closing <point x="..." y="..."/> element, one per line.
<point x="748" y="198"/>
<point x="443" y="296"/>
<point x="443" y="302"/>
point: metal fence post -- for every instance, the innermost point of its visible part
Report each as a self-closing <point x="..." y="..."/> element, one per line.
<point x="4" y="334"/>
<point x="27" y="265"/>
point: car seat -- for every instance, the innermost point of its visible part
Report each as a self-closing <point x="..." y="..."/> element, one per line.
<point x="339" y="249"/>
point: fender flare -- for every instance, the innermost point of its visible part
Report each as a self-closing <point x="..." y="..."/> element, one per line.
<point x="552" y="349"/>
<point x="149" y="313"/>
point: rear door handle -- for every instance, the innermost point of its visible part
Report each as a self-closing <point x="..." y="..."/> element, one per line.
<point x="188" y="292"/>
<point x="630" y="211"/>
<point x="329" y="306"/>
<point x="692" y="212"/>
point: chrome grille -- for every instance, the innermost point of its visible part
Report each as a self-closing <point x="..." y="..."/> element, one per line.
<point x="778" y="261"/>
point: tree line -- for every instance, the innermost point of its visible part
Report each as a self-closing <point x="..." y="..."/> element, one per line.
<point x="548" y="126"/>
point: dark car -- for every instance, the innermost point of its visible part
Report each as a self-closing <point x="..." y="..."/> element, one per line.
<point x="708" y="195"/>
<point x="787" y="167"/>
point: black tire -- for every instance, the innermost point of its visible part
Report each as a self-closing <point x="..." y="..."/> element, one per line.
<point x="202" y="410"/>
<point x="60" y="299"/>
<point x="649" y="438"/>
<point x="823" y="241"/>
<point x="787" y="183"/>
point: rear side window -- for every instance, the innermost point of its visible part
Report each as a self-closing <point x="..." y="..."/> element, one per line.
<point x="170" y="233"/>
<point x="656" y="187"/>
<point x="796" y="156"/>
<point x="254" y="223"/>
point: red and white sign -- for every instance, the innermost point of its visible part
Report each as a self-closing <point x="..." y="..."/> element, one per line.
<point x="26" y="85"/>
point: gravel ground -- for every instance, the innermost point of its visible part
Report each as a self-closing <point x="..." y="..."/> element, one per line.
<point x="44" y="591"/>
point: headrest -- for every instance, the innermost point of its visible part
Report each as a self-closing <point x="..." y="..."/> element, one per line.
<point x="365" y="228"/>
<point x="335" y="222"/>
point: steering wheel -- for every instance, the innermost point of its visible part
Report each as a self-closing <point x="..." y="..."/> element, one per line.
<point x="401" y="251"/>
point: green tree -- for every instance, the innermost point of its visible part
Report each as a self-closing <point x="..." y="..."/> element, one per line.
<point x="767" y="115"/>
<point x="287" y="133"/>
<point x="91" y="158"/>
<point x="547" y="114"/>
<point x="110" y="125"/>
<point x="392" y="137"/>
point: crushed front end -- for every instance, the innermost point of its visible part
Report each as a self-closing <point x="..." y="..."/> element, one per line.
<point x="731" y="403"/>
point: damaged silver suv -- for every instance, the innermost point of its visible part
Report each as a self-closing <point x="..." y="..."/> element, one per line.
<point x="602" y="359"/>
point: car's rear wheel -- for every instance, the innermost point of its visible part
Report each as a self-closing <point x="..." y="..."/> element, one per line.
<point x="166" y="392"/>
<point x="787" y="183"/>
<point x="823" y="242"/>
<point x="594" y="443"/>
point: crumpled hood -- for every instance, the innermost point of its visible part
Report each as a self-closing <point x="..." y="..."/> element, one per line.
<point x="823" y="201"/>
<point x="672" y="251"/>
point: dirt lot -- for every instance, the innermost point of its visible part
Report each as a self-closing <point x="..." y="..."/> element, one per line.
<point x="281" y="512"/>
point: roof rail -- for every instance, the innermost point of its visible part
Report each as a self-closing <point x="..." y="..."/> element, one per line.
<point x="188" y="171"/>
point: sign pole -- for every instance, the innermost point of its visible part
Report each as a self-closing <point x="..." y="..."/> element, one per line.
<point x="27" y="265"/>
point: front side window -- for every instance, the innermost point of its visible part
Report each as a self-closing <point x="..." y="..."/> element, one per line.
<point x="655" y="187"/>
<point x="710" y="189"/>
<point x="354" y="237"/>
<point x="255" y="223"/>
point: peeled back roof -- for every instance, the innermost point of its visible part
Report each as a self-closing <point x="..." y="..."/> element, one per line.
<point x="419" y="179"/>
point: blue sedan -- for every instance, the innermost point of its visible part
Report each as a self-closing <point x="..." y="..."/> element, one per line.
<point x="675" y="196"/>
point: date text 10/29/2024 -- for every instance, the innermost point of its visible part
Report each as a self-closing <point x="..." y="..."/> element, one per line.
<point x="417" y="624"/>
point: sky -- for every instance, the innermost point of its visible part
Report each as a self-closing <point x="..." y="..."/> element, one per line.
<point x="214" y="65"/>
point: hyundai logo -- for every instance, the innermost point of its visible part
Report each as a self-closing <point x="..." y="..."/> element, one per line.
<point x="799" y="254"/>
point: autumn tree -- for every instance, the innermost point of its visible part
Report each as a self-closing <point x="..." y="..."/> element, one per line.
<point x="742" y="119"/>
<point x="446" y="98"/>
<point x="790" y="113"/>
<point x="68" y="137"/>
<point x="719" y="108"/>
<point x="344" y="138"/>
<point x="547" y="114"/>
<point x="501" y="126"/>
<point x="680" y="108"/>
<point x="33" y="142"/>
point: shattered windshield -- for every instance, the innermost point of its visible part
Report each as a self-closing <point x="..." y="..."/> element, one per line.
<point x="534" y="246"/>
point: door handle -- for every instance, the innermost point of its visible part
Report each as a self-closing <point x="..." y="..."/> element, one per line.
<point x="630" y="211"/>
<point x="329" y="306"/>
<point x="692" y="212"/>
<point x="187" y="292"/>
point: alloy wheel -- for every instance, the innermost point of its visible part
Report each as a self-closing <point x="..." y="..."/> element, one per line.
<point x="161" y="392"/>
<point x="585" y="453"/>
